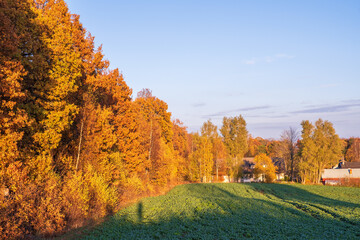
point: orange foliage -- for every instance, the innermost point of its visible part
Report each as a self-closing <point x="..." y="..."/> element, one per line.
<point x="353" y="150"/>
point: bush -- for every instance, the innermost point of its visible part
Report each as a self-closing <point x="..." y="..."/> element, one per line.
<point x="49" y="218"/>
<point x="18" y="208"/>
<point x="75" y="199"/>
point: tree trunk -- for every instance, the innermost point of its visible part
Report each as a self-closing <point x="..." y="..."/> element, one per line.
<point x="151" y="130"/>
<point x="79" y="148"/>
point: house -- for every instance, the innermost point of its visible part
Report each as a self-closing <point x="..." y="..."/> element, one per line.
<point x="344" y="172"/>
<point x="248" y="169"/>
<point x="280" y="168"/>
<point x="249" y="165"/>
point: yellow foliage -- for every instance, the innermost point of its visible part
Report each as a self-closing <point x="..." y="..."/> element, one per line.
<point x="102" y="197"/>
<point x="76" y="198"/>
<point x="134" y="184"/>
<point x="264" y="167"/>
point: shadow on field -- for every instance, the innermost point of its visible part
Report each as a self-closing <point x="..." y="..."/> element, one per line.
<point x="294" y="193"/>
<point x="140" y="211"/>
<point x="228" y="211"/>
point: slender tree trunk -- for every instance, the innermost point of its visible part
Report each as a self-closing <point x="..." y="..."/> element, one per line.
<point x="217" y="170"/>
<point x="151" y="130"/>
<point x="303" y="177"/>
<point x="201" y="177"/>
<point x="292" y="164"/>
<point x="79" y="148"/>
<point x="319" y="174"/>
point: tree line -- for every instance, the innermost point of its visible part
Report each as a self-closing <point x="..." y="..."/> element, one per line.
<point x="75" y="145"/>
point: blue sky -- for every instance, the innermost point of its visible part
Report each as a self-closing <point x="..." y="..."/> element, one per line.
<point x="274" y="62"/>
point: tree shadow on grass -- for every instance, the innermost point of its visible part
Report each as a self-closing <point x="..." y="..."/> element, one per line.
<point x="297" y="193"/>
<point x="227" y="211"/>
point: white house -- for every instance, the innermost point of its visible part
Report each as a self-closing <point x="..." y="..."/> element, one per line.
<point x="345" y="171"/>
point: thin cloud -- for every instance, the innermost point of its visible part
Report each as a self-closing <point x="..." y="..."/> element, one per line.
<point x="328" y="109"/>
<point x="200" y="104"/>
<point x="279" y="116"/>
<point x="353" y="101"/>
<point x="225" y="113"/>
<point x="233" y="94"/>
<point x="252" y="108"/>
<point x="266" y="116"/>
<point x="270" y="126"/>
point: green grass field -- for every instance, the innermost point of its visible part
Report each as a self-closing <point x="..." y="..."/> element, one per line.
<point x="239" y="211"/>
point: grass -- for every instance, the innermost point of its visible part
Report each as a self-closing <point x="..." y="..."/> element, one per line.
<point x="239" y="211"/>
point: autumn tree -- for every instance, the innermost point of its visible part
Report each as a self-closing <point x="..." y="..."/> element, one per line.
<point x="220" y="155"/>
<point x="12" y="115"/>
<point x="155" y="109"/>
<point x="307" y="151"/>
<point x="274" y="149"/>
<point x="58" y="89"/>
<point x="288" y="150"/>
<point x="352" y="150"/>
<point x="253" y="146"/>
<point x="180" y="142"/>
<point x="210" y="131"/>
<point x="264" y="167"/>
<point x="235" y="137"/>
<point x="23" y="62"/>
<point x="160" y="137"/>
<point x="204" y="157"/>
<point x="181" y="147"/>
<point x="320" y="148"/>
<point x="193" y="173"/>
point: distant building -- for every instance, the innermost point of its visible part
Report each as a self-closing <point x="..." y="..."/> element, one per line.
<point x="248" y="170"/>
<point x="249" y="165"/>
<point x="342" y="173"/>
<point x="280" y="165"/>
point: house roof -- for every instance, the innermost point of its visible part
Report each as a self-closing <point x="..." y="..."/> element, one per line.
<point x="349" y="165"/>
<point x="248" y="164"/>
<point x="280" y="164"/>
